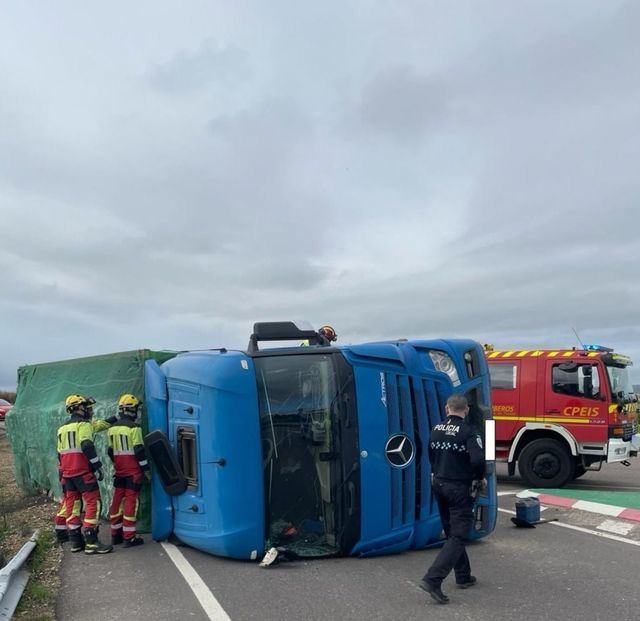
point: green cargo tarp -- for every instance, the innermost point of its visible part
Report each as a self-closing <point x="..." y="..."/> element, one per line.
<point x="40" y="409"/>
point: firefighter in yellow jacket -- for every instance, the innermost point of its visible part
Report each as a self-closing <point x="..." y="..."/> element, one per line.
<point x="131" y="467"/>
<point x="80" y="469"/>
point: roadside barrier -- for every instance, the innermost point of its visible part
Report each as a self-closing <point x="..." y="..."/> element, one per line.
<point x="14" y="577"/>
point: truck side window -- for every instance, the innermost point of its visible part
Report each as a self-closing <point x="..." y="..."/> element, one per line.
<point x="503" y="376"/>
<point x="188" y="455"/>
<point x="576" y="380"/>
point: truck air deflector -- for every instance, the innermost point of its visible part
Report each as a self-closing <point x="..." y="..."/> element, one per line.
<point x="214" y="430"/>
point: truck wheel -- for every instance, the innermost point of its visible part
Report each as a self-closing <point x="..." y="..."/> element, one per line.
<point x="546" y="463"/>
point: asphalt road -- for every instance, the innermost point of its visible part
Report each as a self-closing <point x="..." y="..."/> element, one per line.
<point x="549" y="572"/>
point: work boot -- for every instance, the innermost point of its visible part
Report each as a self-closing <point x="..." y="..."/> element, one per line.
<point x="465" y="584"/>
<point x="435" y="592"/>
<point x="133" y="541"/>
<point x="92" y="543"/>
<point x="62" y="536"/>
<point x="117" y="538"/>
<point x="77" y="542"/>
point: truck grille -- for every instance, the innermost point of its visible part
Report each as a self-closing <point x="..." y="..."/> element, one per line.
<point x="628" y="429"/>
<point x="414" y="405"/>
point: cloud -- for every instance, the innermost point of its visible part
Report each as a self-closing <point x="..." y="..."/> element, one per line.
<point x="414" y="172"/>
<point x="189" y="71"/>
<point x="402" y="104"/>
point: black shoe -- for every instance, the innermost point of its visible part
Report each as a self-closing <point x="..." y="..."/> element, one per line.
<point x="116" y="539"/>
<point x="77" y="542"/>
<point x="93" y="545"/>
<point x="62" y="536"/>
<point x="435" y="592"/>
<point x="134" y="541"/>
<point x="469" y="582"/>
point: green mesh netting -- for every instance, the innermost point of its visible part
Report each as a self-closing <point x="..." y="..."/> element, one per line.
<point x="40" y="409"/>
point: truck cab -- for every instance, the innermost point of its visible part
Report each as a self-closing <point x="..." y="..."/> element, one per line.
<point x="318" y="449"/>
<point x="560" y="413"/>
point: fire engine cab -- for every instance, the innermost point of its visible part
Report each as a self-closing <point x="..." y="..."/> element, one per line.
<point x="560" y="413"/>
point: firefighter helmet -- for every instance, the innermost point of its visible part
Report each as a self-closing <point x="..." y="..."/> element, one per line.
<point x="329" y="333"/>
<point x="128" y="404"/>
<point x="79" y="403"/>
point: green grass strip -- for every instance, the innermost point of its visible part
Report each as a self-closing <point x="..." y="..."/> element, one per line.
<point x="620" y="499"/>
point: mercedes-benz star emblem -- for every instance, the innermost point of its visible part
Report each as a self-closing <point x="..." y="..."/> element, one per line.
<point x="399" y="450"/>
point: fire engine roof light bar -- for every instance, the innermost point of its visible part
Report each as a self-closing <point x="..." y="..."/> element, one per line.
<point x="592" y="347"/>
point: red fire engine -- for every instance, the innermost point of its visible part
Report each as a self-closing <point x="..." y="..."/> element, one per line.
<point x="560" y="413"/>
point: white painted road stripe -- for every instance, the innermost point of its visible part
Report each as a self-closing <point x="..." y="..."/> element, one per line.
<point x="598" y="507"/>
<point x="207" y="600"/>
<point x="584" y="530"/>
<point x="511" y="493"/>
<point x="615" y="526"/>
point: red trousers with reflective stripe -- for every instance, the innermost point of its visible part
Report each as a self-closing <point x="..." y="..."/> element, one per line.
<point x="77" y="491"/>
<point x="60" y="520"/>
<point x="124" y="506"/>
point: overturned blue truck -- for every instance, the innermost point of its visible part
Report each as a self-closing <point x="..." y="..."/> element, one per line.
<point x="322" y="450"/>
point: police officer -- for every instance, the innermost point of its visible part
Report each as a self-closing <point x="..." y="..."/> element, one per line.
<point x="457" y="460"/>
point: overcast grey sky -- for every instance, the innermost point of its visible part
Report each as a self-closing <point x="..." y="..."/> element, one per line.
<point x="171" y="172"/>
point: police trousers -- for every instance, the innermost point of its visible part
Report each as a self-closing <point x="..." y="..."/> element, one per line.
<point x="456" y="512"/>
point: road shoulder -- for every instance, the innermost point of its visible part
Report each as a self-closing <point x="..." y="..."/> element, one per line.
<point x="136" y="583"/>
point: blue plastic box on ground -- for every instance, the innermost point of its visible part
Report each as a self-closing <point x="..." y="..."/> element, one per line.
<point x="528" y="509"/>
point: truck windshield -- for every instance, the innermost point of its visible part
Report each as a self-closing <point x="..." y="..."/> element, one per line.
<point x="621" y="388"/>
<point x="298" y="397"/>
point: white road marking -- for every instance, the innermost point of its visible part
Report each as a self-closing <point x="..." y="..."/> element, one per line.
<point x="584" y="530"/>
<point x="509" y="493"/>
<point x="209" y="603"/>
<point x="613" y="526"/>
<point x="597" y="507"/>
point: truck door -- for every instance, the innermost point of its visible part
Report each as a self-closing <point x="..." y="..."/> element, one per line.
<point x="184" y="410"/>
<point x="572" y="392"/>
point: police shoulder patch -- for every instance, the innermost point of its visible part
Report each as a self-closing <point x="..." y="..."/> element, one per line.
<point x="479" y="441"/>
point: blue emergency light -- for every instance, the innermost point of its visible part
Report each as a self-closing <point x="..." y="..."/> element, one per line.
<point x="597" y="348"/>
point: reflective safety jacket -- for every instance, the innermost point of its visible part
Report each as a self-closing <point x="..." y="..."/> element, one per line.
<point x="455" y="451"/>
<point x="76" y="451"/>
<point x="126" y="448"/>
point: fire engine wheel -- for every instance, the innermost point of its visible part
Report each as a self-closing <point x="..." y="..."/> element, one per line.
<point x="546" y="463"/>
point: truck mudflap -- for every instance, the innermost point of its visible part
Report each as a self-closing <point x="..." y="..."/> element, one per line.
<point x="156" y="404"/>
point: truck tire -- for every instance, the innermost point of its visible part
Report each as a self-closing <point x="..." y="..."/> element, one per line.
<point x="546" y="463"/>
